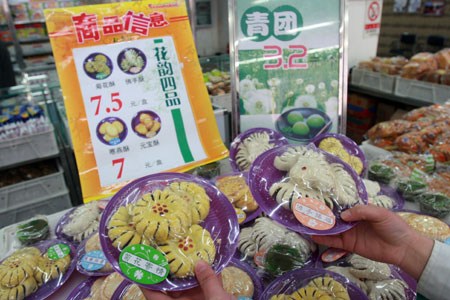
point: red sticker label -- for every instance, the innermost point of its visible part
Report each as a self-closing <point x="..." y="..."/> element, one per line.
<point x="260" y="257"/>
<point x="332" y="254"/>
<point x="313" y="214"/>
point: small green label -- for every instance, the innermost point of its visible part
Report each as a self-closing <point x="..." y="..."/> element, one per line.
<point x="429" y="163"/>
<point x="143" y="264"/>
<point x="58" y="251"/>
<point x="418" y="175"/>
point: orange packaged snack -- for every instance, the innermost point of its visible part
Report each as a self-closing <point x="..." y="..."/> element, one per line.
<point x="443" y="58"/>
<point x="389" y="129"/>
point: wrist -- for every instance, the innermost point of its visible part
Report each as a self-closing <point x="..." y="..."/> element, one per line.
<point x="418" y="251"/>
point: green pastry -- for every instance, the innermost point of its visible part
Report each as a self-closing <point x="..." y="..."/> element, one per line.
<point x="283" y="258"/>
<point x="435" y="204"/>
<point x="33" y="231"/>
<point x="381" y="173"/>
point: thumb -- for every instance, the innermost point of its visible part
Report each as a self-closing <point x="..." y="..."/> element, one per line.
<point x="209" y="282"/>
<point x="369" y="213"/>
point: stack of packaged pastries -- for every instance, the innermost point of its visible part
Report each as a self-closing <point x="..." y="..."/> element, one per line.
<point x="26" y="270"/>
<point x="167" y="219"/>
<point x="424" y="66"/>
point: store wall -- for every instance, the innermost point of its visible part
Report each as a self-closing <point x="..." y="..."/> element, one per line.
<point x="394" y="24"/>
<point x="359" y="47"/>
<point x="213" y="39"/>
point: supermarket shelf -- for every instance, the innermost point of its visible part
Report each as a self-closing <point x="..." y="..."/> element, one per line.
<point x="31" y="54"/>
<point x="41" y="68"/>
<point x="26" y="162"/>
<point x="34" y="40"/>
<point x="388" y="96"/>
<point x="28" y="22"/>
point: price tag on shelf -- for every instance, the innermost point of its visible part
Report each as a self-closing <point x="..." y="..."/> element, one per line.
<point x="129" y="74"/>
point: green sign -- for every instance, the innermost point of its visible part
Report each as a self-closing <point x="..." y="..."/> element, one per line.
<point x="143" y="264"/>
<point x="289" y="64"/>
<point x="58" y="251"/>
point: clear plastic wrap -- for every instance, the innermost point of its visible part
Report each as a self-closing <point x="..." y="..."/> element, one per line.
<point x="428" y="226"/>
<point x="443" y="59"/>
<point x="104" y="288"/>
<point x="312" y="284"/>
<point x="344" y="148"/>
<point x="275" y="249"/>
<point x="235" y="187"/>
<point x="127" y="291"/>
<point x="434" y="204"/>
<point x="305" y="189"/>
<point x="383" y="195"/>
<point x="248" y="145"/>
<point x="32" y="231"/>
<point x="37" y="271"/>
<point x="79" y="223"/>
<point x="91" y="261"/>
<point x="241" y="280"/>
<point x="377" y="280"/>
<point x="177" y="216"/>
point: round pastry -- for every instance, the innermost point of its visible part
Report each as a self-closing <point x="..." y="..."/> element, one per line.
<point x="92" y="244"/>
<point x="183" y="253"/>
<point x="430" y="227"/>
<point x="356" y="163"/>
<point x="238" y="192"/>
<point x="161" y="215"/>
<point x="280" y="297"/>
<point x="237" y="282"/>
<point x="96" y="288"/>
<point x="49" y="269"/>
<point x="110" y="285"/>
<point x="15" y="269"/>
<point x="19" y="292"/>
<point x="196" y="196"/>
<point x="310" y="293"/>
<point x="122" y="231"/>
<point x="83" y="221"/>
<point x="134" y="293"/>
<point x="331" y="287"/>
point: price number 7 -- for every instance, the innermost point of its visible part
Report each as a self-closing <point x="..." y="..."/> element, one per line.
<point x="120" y="161"/>
<point x="114" y="100"/>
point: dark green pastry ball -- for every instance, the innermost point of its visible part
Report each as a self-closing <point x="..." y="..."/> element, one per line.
<point x="300" y="128"/>
<point x="294" y="117"/>
<point x="315" y="121"/>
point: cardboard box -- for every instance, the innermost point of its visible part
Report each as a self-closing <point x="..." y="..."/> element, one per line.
<point x="384" y="112"/>
<point x="361" y="106"/>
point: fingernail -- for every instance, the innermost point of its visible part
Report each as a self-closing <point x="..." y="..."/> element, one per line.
<point x="346" y="214"/>
<point x="201" y="266"/>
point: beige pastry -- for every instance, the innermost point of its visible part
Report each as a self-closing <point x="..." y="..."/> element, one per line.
<point x="134" y="293"/>
<point x="110" y="285"/>
<point x="237" y="282"/>
<point x="96" y="288"/>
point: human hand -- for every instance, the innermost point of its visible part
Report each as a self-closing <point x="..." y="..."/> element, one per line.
<point x="383" y="236"/>
<point x="210" y="287"/>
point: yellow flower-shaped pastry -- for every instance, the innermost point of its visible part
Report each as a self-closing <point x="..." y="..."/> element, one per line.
<point x="182" y="253"/>
<point x="310" y="293"/>
<point x="196" y="197"/>
<point x="330" y="286"/>
<point x="161" y="215"/>
<point x="122" y="230"/>
<point x="20" y="291"/>
<point x="49" y="269"/>
<point x="15" y="269"/>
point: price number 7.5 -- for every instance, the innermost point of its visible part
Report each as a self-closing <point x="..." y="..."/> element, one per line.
<point x="115" y="101"/>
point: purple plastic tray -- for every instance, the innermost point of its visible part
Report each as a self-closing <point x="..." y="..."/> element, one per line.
<point x="393" y="194"/>
<point x="221" y="222"/>
<point x="396" y="273"/>
<point x="294" y="280"/>
<point x="83" y="290"/>
<point x="80" y="253"/>
<point x="52" y="286"/>
<point x="349" y="145"/>
<point x="263" y="174"/>
<point x="274" y="138"/>
<point x="257" y="282"/>
<point x="63" y="221"/>
<point x="411" y="282"/>
<point x="59" y="227"/>
<point x="251" y="216"/>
